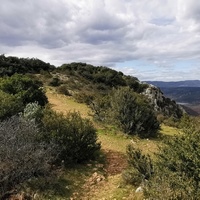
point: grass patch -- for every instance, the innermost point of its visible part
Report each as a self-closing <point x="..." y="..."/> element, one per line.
<point x="169" y="131"/>
<point x="65" y="104"/>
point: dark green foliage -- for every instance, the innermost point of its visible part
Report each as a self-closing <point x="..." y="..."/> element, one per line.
<point x="134" y="84"/>
<point x="55" y="82"/>
<point x="11" y="65"/>
<point x="75" y="136"/>
<point x="25" y="88"/>
<point x="186" y="154"/>
<point x="140" y="167"/>
<point x="178" y="166"/>
<point x="17" y="91"/>
<point x="102" y="76"/>
<point x="132" y="176"/>
<point x="84" y="97"/>
<point x="9" y="105"/>
<point x="22" y="155"/>
<point x="132" y="113"/>
<point x="140" y="162"/>
<point x="100" y="106"/>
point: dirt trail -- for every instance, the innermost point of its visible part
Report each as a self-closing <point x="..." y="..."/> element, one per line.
<point x="102" y="186"/>
<point x="99" y="185"/>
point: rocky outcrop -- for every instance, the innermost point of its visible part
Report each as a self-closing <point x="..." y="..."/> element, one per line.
<point x="162" y="104"/>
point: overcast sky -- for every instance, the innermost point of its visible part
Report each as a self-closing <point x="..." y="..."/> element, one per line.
<point x="149" y="39"/>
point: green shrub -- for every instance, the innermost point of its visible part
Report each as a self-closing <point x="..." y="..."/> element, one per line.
<point x="139" y="161"/>
<point x="166" y="184"/>
<point x="55" y="82"/>
<point x="84" y="97"/>
<point x="9" y="105"/>
<point x="22" y="155"/>
<point x="132" y="176"/>
<point x="132" y="114"/>
<point x="75" y="136"/>
<point x="24" y="88"/>
<point x="100" y="106"/>
<point x="62" y="89"/>
<point x="178" y="167"/>
<point x="140" y="167"/>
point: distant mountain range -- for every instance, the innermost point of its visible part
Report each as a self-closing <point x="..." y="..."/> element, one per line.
<point x="188" y="83"/>
<point x="183" y="92"/>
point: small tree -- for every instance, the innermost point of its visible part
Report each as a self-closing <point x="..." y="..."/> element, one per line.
<point x="132" y="113"/>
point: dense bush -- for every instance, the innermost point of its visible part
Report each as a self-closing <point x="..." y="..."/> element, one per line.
<point x="11" y="65"/>
<point x="62" y="89"/>
<point x="16" y="92"/>
<point x="133" y="114"/>
<point x="55" y="81"/>
<point x="22" y="155"/>
<point x="75" y="136"/>
<point x="25" y="88"/>
<point x="9" y="105"/>
<point x="140" y="166"/>
<point x="178" y="167"/>
<point x="100" y="106"/>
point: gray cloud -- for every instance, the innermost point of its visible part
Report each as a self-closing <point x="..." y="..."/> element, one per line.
<point x="102" y="32"/>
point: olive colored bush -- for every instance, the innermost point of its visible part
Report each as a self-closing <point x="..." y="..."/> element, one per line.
<point x="177" y="166"/>
<point x="16" y="92"/>
<point x="140" y="166"/>
<point x="132" y="176"/>
<point x="132" y="113"/>
<point x="24" y="88"/>
<point x="9" y="105"/>
<point x="62" y="89"/>
<point x="76" y="137"/>
<point x="22" y="155"/>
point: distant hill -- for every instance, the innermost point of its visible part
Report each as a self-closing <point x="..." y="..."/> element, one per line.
<point x="183" y="92"/>
<point x="187" y="83"/>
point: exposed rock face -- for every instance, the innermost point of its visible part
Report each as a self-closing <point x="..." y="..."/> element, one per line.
<point x="162" y="104"/>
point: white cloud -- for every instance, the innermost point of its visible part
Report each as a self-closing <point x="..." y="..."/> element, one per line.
<point x="103" y="32"/>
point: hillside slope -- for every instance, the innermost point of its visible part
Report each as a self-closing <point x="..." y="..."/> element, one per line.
<point x="85" y="81"/>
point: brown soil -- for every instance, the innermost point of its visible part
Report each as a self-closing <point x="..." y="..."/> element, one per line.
<point x="116" y="162"/>
<point x="99" y="181"/>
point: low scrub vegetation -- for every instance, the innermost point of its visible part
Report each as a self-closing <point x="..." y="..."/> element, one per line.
<point x="129" y="111"/>
<point x="174" y="172"/>
<point x="16" y="92"/>
<point x="22" y="155"/>
<point x="75" y="136"/>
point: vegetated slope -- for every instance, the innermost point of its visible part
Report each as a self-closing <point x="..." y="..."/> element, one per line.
<point x="100" y="80"/>
<point x="104" y="181"/>
<point x="84" y="81"/>
<point x="11" y="65"/>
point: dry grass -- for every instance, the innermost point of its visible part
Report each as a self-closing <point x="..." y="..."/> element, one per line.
<point x="111" y="140"/>
<point x="65" y="104"/>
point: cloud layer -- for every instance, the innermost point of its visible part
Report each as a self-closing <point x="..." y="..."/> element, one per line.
<point x="160" y="34"/>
